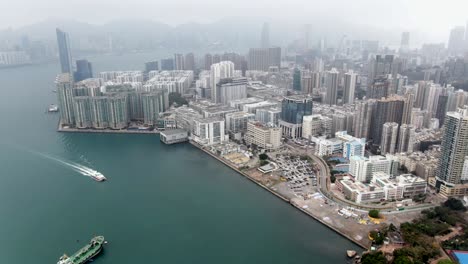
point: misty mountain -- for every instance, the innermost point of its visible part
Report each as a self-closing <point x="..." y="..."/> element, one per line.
<point x="229" y="34"/>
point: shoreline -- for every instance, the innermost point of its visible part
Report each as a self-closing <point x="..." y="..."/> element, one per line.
<point x="104" y="131"/>
<point x="226" y="163"/>
<point x="285" y="199"/>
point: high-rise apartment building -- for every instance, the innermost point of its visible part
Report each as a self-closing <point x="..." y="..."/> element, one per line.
<point x="189" y="62"/>
<point x="389" y="138"/>
<point x="221" y="70"/>
<point x="380" y="66"/>
<point x="331" y="83"/>
<point x="350" y="79"/>
<point x="64" y="84"/>
<point x="363" y="117"/>
<point x="406" y="138"/>
<point x="208" y="61"/>
<point x="179" y="62"/>
<point x="454" y="150"/>
<point x="64" y="49"/>
<point x="387" y="110"/>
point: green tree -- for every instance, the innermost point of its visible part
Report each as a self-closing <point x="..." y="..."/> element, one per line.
<point x="374" y="213"/>
<point x="445" y="261"/>
<point x="374" y="258"/>
<point x="263" y="156"/>
<point x="402" y="260"/>
<point x="455" y="204"/>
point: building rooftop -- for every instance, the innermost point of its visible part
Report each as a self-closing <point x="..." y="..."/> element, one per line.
<point x="173" y="132"/>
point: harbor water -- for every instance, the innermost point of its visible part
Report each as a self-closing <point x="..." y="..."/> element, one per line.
<point x="161" y="204"/>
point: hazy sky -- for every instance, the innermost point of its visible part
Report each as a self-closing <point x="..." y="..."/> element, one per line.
<point x="437" y="16"/>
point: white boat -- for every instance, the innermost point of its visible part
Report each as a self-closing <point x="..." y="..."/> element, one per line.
<point x="53" y="108"/>
<point x="97" y="176"/>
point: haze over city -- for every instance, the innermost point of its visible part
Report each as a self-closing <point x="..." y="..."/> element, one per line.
<point x="427" y="20"/>
<point x="234" y="132"/>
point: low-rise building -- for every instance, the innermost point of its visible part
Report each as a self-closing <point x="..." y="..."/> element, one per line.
<point x="173" y="136"/>
<point x="264" y="136"/>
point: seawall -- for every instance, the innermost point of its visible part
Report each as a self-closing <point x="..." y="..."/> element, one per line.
<point x="285" y="199"/>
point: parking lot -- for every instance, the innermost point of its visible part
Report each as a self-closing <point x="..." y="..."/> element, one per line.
<point x="297" y="171"/>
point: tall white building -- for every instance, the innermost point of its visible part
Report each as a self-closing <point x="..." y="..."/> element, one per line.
<point x="349" y="87"/>
<point x="221" y="70"/>
<point x="363" y="169"/>
<point x="208" y="131"/>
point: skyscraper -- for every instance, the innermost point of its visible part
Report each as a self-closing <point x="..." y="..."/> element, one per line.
<point x="179" y="63"/>
<point x="84" y="70"/>
<point x="265" y="37"/>
<point x="349" y="87"/>
<point x="294" y="108"/>
<point x="331" y="82"/>
<point x="260" y="59"/>
<point x="63" y="43"/>
<point x="454" y="150"/>
<point x="208" y="61"/>
<point x="456" y="40"/>
<point x="167" y="64"/>
<point x="189" y="62"/>
<point x="405" y="39"/>
<point x="224" y="69"/>
<point x="151" y="66"/>
<point x="297" y="79"/>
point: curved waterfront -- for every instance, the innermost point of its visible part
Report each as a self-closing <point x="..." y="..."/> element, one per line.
<point x="163" y="204"/>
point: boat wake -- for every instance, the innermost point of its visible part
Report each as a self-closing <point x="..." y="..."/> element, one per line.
<point x="83" y="170"/>
<point x="86" y="171"/>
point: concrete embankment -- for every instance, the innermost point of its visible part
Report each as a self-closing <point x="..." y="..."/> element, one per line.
<point x="285" y="199"/>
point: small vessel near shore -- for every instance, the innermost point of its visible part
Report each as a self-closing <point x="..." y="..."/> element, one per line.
<point x="85" y="254"/>
<point x="53" y="108"/>
<point x="351" y="253"/>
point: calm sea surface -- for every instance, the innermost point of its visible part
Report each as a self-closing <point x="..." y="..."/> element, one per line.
<point x="161" y="204"/>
